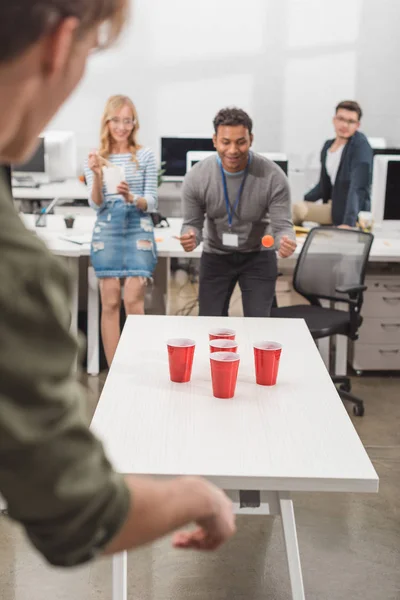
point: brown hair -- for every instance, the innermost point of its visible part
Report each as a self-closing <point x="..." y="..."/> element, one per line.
<point x="114" y="104"/>
<point x="350" y="105"/>
<point x="24" y="22"/>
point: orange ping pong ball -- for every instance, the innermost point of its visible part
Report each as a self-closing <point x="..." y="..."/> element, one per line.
<point x="268" y="241"/>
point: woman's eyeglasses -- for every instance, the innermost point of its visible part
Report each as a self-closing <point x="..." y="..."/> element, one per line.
<point x="125" y="122"/>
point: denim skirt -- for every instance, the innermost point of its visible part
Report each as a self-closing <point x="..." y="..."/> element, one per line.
<point x="123" y="243"/>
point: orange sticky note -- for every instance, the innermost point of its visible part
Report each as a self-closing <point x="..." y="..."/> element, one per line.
<point x="268" y="241"/>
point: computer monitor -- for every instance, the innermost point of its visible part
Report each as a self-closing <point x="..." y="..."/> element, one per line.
<point x="278" y="158"/>
<point x="386" y="151"/>
<point x="61" y="154"/>
<point x="385" y="198"/>
<point x="34" y="169"/>
<point x="194" y="157"/>
<point x="174" y="152"/>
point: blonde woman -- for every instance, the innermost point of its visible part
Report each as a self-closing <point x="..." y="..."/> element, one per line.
<point x="123" y="249"/>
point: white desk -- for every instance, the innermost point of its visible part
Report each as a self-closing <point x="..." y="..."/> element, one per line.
<point x="52" y="235"/>
<point x="295" y="436"/>
<point x="384" y="249"/>
<point x="71" y="189"/>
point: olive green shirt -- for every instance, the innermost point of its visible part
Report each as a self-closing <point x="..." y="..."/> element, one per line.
<point x="54" y="475"/>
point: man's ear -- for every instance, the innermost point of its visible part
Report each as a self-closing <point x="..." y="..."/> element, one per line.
<point x="251" y="139"/>
<point x="58" y="46"/>
<point x="214" y="139"/>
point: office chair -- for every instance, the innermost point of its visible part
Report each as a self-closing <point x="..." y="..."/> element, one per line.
<point x="331" y="267"/>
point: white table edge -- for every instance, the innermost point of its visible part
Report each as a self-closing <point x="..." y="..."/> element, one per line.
<point x="282" y="484"/>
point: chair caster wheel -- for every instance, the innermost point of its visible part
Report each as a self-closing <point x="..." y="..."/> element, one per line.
<point x="345" y="387"/>
<point x="358" y="411"/>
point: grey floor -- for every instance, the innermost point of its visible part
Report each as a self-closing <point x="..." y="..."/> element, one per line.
<point x="349" y="544"/>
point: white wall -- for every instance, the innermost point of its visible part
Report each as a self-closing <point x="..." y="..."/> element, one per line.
<point x="288" y="62"/>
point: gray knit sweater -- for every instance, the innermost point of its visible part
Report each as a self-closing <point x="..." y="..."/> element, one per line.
<point x="264" y="206"/>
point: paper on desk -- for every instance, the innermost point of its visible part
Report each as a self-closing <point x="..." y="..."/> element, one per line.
<point x="78" y="238"/>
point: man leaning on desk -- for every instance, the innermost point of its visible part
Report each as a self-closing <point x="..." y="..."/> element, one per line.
<point x="54" y="475"/>
<point x="346" y="173"/>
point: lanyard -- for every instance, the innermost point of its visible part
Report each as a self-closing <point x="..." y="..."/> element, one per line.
<point x="232" y="209"/>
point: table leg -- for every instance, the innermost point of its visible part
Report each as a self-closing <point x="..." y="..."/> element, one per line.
<point x="324" y="345"/>
<point x="120" y="576"/>
<point x="73" y="267"/>
<point x="341" y="355"/>
<point x="292" y="546"/>
<point x="168" y="286"/>
<point x="341" y="342"/>
<point x="93" y="344"/>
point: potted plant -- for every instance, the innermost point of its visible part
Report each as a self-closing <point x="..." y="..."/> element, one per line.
<point x="69" y="221"/>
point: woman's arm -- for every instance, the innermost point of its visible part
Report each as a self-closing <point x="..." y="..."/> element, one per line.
<point x="94" y="180"/>
<point x="149" y="201"/>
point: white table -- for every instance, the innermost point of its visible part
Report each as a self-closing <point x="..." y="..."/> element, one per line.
<point x="71" y="189"/>
<point x="54" y="235"/>
<point x="295" y="436"/>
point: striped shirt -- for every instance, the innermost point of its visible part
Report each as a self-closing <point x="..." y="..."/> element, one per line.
<point x="142" y="178"/>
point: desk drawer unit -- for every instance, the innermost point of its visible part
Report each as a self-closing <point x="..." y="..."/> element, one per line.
<point x="375" y="357"/>
<point x="378" y="346"/>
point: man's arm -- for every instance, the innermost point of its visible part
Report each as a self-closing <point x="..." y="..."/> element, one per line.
<point x="158" y="508"/>
<point x="315" y="193"/>
<point x="279" y="209"/>
<point x="54" y="475"/>
<point x="193" y="207"/>
<point x="360" y="181"/>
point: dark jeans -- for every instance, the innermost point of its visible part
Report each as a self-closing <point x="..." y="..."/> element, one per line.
<point x="256" y="273"/>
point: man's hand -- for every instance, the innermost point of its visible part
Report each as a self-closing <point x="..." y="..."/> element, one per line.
<point x="188" y="241"/>
<point x="158" y="508"/>
<point x="287" y="247"/>
<point x="344" y="226"/>
<point x="213" y="530"/>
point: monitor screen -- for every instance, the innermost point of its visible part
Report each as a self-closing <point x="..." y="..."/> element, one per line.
<point x="174" y="150"/>
<point x="393" y="151"/>
<point x="283" y="164"/>
<point x="392" y="197"/>
<point x="36" y="163"/>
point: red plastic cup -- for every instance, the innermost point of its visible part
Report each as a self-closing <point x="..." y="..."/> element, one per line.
<point x="223" y="345"/>
<point x="224" y="371"/>
<point x="222" y="334"/>
<point x="266" y="358"/>
<point x="180" y="355"/>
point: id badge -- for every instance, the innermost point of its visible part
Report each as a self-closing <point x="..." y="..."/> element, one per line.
<point x="230" y="239"/>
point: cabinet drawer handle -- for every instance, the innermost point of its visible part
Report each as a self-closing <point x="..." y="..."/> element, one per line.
<point x="392" y="287"/>
<point x="389" y="351"/>
<point x="390" y="325"/>
<point x="394" y="300"/>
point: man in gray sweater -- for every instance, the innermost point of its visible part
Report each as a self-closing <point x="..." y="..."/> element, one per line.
<point x="241" y="196"/>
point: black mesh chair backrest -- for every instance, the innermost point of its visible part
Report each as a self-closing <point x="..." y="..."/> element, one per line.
<point x="330" y="258"/>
